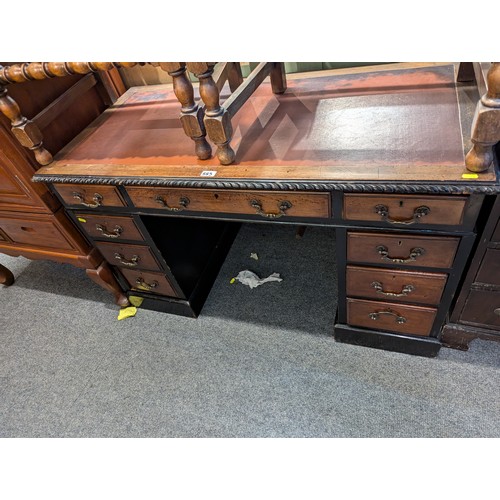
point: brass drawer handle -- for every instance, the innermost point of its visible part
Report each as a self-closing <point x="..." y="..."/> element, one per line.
<point x="376" y="315"/>
<point x="406" y="290"/>
<point x="183" y="202"/>
<point x="148" y="286"/>
<point x="116" y="233"/>
<point x="134" y="261"/>
<point x="497" y="311"/>
<point x="383" y="211"/>
<point x="97" y="200"/>
<point x="283" y="207"/>
<point x="414" y="253"/>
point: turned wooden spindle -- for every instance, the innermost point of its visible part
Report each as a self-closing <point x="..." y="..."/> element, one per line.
<point x="486" y="124"/>
<point x="24" y="130"/>
<point x="191" y="114"/>
<point x="217" y="120"/>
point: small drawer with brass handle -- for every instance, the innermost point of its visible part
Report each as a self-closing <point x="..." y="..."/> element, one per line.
<point x="395" y="285"/>
<point x="389" y="316"/>
<point x="401" y="249"/>
<point x="89" y="196"/>
<point x="145" y="281"/>
<point x="109" y="227"/>
<point x="125" y="255"/>
<point x="405" y="210"/>
<point x="265" y="204"/>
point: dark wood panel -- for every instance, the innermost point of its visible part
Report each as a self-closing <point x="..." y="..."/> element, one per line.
<point x="401" y="249"/>
<point x="489" y="272"/>
<point x="149" y="282"/>
<point x="482" y="308"/>
<point x="400" y="286"/>
<point x="95" y="196"/>
<point x="109" y="226"/>
<point x="405" y="210"/>
<point x="496" y="234"/>
<point x="129" y="256"/>
<point x="412" y="320"/>
<point x="272" y="204"/>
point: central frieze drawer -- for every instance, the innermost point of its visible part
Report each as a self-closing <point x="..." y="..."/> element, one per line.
<point x="388" y="316"/>
<point x="395" y="285"/>
<point x="405" y="210"/>
<point x="402" y="249"/>
<point x="109" y="227"/>
<point x="267" y="204"/>
<point x="128" y="256"/>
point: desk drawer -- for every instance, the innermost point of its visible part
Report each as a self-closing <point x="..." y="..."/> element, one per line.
<point x="405" y="210"/>
<point x="482" y="308"/>
<point x="128" y="256"/>
<point x="496" y="234"/>
<point x="391" y="317"/>
<point x="267" y="204"/>
<point x="149" y="282"/>
<point x="401" y="249"/>
<point x="109" y="227"/>
<point x="399" y="286"/>
<point x="89" y="196"/>
<point x="35" y="231"/>
<point x="489" y="272"/>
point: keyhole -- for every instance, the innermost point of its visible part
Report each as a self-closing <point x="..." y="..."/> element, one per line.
<point x="28" y="229"/>
<point x="400" y="203"/>
<point x="216" y="196"/>
<point x="399" y="243"/>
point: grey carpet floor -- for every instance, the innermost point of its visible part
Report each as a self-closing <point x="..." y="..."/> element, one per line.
<point x="256" y="363"/>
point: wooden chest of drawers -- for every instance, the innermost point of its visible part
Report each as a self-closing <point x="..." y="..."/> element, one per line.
<point x="476" y="313"/>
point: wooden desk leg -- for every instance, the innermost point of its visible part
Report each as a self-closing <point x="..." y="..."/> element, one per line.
<point x="191" y="113"/>
<point x="103" y="276"/>
<point x="6" y="277"/>
<point x="486" y="124"/>
<point x="278" y="78"/>
<point x="217" y="119"/>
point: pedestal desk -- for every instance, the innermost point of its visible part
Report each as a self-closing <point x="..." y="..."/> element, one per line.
<point x="377" y="155"/>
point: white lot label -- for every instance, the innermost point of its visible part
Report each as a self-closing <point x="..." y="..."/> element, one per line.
<point x="208" y="173"/>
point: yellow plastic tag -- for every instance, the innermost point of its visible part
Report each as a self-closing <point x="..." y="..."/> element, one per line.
<point x="136" y="301"/>
<point x="81" y="219"/>
<point x="470" y="176"/>
<point x="127" y="312"/>
<point x="232" y="280"/>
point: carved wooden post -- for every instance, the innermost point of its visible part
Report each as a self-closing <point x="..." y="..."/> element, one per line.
<point x="191" y="113"/>
<point x="217" y="119"/>
<point x="25" y="131"/>
<point x="486" y="124"/>
<point x="278" y="78"/>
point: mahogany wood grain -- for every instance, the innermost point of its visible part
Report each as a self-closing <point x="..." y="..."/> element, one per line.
<point x="418" y="320"/>
<point x="100" y="196"/>
<point x="109" y="227"/>
<point x="438" y="251"/>
<point x="6" y="276"/>
<point x="232" y="201"/>
<point x="383" y="284"/>
<point x="139" y="256"/>
<point x="149" y="282"/>
<point x="446" y="210"/>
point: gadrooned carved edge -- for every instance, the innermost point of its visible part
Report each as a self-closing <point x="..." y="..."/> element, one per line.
<point x="351" y="187"/>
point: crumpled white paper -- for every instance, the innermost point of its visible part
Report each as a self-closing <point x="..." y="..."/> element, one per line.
<point x="252" y="280"/>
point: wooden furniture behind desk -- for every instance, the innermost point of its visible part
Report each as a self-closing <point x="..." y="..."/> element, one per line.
<point x="32" y="221"/>
<point x="476" y="313"/>
<point x="376" y="154"/>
